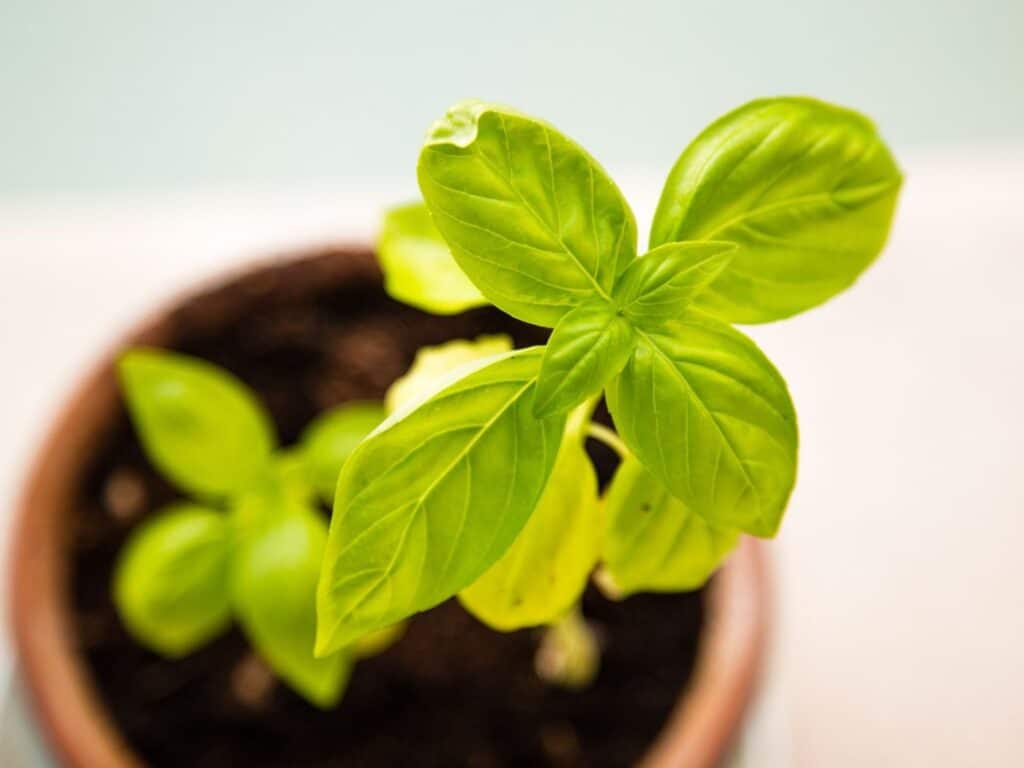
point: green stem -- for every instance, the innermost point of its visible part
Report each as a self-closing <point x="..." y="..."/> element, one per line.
<point x="602" y="434"/>
<point x="569" y="654"/>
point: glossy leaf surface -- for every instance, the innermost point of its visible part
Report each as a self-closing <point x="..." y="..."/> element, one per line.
<point x="588" y="347"/>
<point x="706" y="412"/>
<point x="542" y="575"/>
<point x="531" y="218"/>
<point x="433" y="498"/>
<point x="806" y="189"/>
<point x="653" y="542"/>
<point x="418" y="266"/>
<point x="201" y="427"/>
<point x="171" y="581"/>
<point x="274" y="580"/>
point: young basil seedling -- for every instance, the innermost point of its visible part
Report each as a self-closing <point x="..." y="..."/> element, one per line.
<point x="479" y="486"/>
<point x="251" y="546"/>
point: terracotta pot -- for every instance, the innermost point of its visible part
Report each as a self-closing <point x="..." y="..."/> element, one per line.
<point x="71" y="715"/>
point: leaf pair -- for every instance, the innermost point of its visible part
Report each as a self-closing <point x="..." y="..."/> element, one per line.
<point x="594" y="341"/>
<point x="186" y="572"/>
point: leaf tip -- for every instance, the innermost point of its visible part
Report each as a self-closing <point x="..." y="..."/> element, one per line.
<point x="459" y="124"/>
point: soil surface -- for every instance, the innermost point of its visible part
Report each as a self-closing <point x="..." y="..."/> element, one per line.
<point x="451" y="692"/>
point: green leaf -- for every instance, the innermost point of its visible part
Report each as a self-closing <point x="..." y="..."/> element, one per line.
<point x="433" y="498"/>
<point x="433" y="366"/>
<point x="199" y="425"/>
<point x="332" y="437"/>
<point x="290" y="475"/>
<point x="662" y="282"/>
<point x="653" y="542"/>
<point x="418" y="267"/>
<point x="589" y="346"/>
<point x="171" y="579"/>
<point x="274" y="589"/>
<point x="807" y="190"/>
<point x="706" y="412"/>
<point x="542" y="575"/>
<point x="533" y="220"/>
<point x="376" y="642"/>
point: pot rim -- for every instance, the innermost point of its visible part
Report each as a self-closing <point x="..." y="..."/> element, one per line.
<point x="72" y="717"/>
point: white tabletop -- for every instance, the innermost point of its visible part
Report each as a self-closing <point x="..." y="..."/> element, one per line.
<point x="900" y="611"/>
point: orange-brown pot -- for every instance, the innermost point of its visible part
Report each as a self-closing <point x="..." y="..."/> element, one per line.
<point x="71" y="715"/>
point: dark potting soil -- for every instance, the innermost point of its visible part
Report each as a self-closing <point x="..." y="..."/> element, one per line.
<point x="451" y="692"/>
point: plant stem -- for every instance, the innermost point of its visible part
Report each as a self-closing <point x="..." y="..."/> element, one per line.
<point x="569" y="654"/>
<point x="602" y="434"/>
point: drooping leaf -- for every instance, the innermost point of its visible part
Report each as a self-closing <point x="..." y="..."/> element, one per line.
<point x="332" y="437"/>
<point x="274" y="578"/>
<point x="376" y="642"/>
<point x="199" y="425"/>
<point x="662" y="282"/>
<point x="806" y="189"/>
<point x="432" y="366"/>
<point x="433" y="498"/>
<point x="589" y="346"/>
<point x="171" y="579"/>
<point x="542" y="575"/>
<point x="653" y="542"/>
<point x="706" y="412"/>
<point x="531" y="218"/>
<point x="418" y="266"/>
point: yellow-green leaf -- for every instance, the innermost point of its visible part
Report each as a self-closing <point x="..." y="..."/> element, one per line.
<point x="274" y="581"/>
<point x="433" y="366"/>
<point x="531" y="218"/>
<point x="544" y="572"/>
<point x="706" y="412"/>
<point x="653" y="542"/>
<point x="418" y="266"/>
<point x="200" y="426"/>
<point x="805" y="189"/>
<point x="171" y="579"/>
<point x="433" y="498"/>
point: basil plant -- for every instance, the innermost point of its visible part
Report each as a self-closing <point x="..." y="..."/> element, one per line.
<point x="477" y="484"/>
<point x="247" y="546"/>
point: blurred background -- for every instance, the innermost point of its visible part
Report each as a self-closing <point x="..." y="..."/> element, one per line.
<point x="144" y="145"/>
<point x="117" y="95"/>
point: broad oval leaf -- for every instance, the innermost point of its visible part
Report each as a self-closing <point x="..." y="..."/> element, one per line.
<point x="418" y="266"/>
<point x="806" y="189"/>
<point x="664" y="281"/>
<point x="332" y="437"/>
<point x="433" y="498"/>
<point x="706" y="412"/>
<point x="530" y="217"/>
<point x="542" y="575"/>
<point x="274" y="578"/>
<point x="588" y="347"/>
<point x="653" y="542"/>
<point x="201" y="427"/>
<point x="432" y="366"/>
<point x="171" y="581"/>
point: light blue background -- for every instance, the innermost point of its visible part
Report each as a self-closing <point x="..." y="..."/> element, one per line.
<point x="129" y="94"/>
